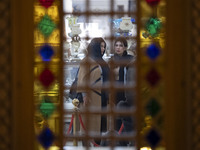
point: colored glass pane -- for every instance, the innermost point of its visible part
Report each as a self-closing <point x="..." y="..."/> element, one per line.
<point x="160" y="121"/>
<point x="46" y="3"/>
<point x="46" y="107"/>
<point x="145" y="34"/>
<point x="46" y="52"/>
<point x="153" y="51"/>
<point x="54" y="38"/>
<point x="153" y="138"/>
<point x="46" y="138"/>
<point x="46" y="26"/>
<point x="152" y="77"/>
<point x="153" y="26"/>
<point x="38" y="37"/>
<point x="153" y="107"/>
<point x="40" y="11"/>
<point x="53" y="13"/>
<point x="46" y="77"/>
<point x="153" y="2"/>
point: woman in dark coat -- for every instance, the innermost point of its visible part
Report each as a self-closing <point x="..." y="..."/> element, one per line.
<point x="121" y="56"/>
<point x="121" y="59"/>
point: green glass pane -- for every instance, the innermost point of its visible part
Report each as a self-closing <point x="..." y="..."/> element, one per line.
<point x="46" y="107"/>
<point x="46" y="26"/>
<point x="153" y="26"/>
<point x="153" y="107"/>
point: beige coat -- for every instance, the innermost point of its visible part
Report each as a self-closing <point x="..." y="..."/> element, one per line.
<point x="84" y="77"/>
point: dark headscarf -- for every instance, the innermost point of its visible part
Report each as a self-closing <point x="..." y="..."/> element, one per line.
<point x="94" y="49"/>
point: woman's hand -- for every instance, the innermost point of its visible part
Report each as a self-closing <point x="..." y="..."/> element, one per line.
<point x="86" y="100"/>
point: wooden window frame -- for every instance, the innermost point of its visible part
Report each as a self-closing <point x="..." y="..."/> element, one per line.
<point x="177" y="77"/>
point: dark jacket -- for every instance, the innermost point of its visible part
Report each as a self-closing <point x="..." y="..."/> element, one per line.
<point x="126" y="59"/>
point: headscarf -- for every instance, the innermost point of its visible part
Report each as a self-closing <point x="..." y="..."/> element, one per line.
<point x="94" y="49"/>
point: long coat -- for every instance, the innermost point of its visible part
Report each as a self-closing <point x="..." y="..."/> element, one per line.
<point x="91" y="75"/>
<point x="120" y="73"/>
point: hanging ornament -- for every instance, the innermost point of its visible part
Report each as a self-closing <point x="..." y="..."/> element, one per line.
<point x="75" y="30"/>
<point x="126" y="24"/>
<point x="153" y="2"/>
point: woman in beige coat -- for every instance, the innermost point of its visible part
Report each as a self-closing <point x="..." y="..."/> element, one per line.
<point x="90" y="74"/>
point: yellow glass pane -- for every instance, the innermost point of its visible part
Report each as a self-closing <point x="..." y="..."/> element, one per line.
<point x="40" y="11"/>
<point x="53" y="13"/>
<point x="38" y="37"/>
<point x="54" y="38"/>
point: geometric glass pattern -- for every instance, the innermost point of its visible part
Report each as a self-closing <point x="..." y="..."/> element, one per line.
<point x="152" y="77"/>
<point x="46" y="107"/>
<point x="153" y="138"/>
<point x="152" y="42"/>
<point x="152" y="2"/>
<point x="46" y="3"/>
<point x="46" y="77"/>
<point x="153" y="26"/>
<point x="46" y="138"/>
<point x="153" y="51"/>
<point x="153" y="107"/>
<point x="46" y="34"/>
<point x="46" y="26"/>
<point x="46" y="52"/>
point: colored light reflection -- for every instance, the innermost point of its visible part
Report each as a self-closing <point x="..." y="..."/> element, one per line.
<point x="145" y="148"/>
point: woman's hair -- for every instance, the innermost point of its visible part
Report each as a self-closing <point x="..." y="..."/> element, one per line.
<point x="122" y="40"/>
<point x="94" y="48"/>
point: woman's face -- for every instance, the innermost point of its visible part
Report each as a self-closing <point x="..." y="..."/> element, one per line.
<point x="102" y="48"/>
<point x="119" y="48"/>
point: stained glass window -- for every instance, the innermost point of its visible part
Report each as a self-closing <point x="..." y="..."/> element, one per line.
<point x="46" y="72"/>
<point x="152" y="46"/>
<point x="82" y="21"/>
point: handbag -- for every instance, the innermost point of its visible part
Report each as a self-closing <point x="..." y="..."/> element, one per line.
<point x="73" y="90"/>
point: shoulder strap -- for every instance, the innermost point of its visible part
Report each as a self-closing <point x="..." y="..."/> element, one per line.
<point x="77" y="73"/>
<point x="95" y="67"/>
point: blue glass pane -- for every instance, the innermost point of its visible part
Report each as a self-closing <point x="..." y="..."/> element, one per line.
<point x="46" y="138"/>
<point x="153" y="138"/>
<point x="153" y="51"/>
<point x="46" y="52"/>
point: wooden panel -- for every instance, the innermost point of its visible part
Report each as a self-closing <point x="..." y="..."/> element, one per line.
<point x="177" y="54"/>
<point x="22" y="27"/>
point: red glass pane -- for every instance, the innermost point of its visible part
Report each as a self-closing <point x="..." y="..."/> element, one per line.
<point x="152" y="2"/>
<point x="152" y="77"/>
<point x="46" y="77"/>
<point x="46" y="3"/>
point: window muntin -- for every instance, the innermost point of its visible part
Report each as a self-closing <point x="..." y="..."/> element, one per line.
<point x="147" y="12"/>
<point x="96" y="20"/>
